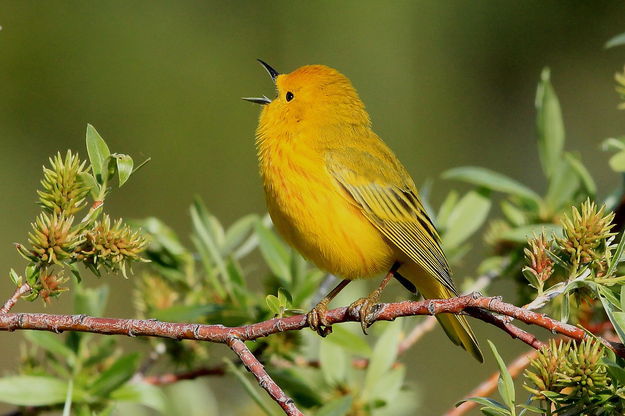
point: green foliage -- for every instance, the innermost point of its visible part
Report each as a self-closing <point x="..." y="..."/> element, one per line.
<point x="558" y="246"/>
<point x="58" y="242"/>
<point x="505" y="386"/>
<point x="93" y="372"/>
<point x="570" y="378"/>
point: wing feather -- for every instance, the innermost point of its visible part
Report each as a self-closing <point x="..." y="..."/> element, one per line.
<point x="388" y="198"/>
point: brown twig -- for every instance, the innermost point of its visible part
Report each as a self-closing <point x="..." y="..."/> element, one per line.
<point x="472" y="305"/>
<point x="429" y="323"/>
<point x="487" y="387"/>
<point x="19" y="292"/>
<point x="255" y="367"/>
<point x="476" y="306"/>
<point x="169" y="378"/>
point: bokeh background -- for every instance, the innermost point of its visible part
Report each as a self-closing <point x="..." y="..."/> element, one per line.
<point x="447" y="84"/>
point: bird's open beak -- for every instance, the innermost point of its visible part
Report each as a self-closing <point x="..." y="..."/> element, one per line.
<point x="273" y="74"/>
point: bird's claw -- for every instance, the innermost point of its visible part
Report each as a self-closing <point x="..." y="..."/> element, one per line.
<point x="317" y="320"/>
<point x="365" y="308"/>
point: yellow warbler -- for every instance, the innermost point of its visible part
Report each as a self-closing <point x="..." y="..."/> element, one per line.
<point x="338" y="194"/>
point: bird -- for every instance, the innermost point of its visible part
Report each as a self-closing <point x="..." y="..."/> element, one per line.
<point x="338" y="194"/>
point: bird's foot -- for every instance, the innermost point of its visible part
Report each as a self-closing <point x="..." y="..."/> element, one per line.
<point x="317" y="320"/>
<point x="365" y="308"/>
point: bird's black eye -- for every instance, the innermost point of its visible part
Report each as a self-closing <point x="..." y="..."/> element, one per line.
<point x="289" y="96"/>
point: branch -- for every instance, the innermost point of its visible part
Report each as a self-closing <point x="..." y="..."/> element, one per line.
<point x="429" y="323"/>
<point x="169" y="378"/>
<point x="474" y="305"/>
<point x="490" y="385"/>
<point x="19" y="292"/>
<point x="264" y="380"/>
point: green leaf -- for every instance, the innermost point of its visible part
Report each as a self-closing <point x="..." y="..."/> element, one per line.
<point x="447" y="208"/>
<point x="549" y="124"/>
<point x="49" y="342"/>
<point x="383" y="356"/>
<point x="616" y="257"/>
<point x="563" y="184"/>
<point x="164" y="235"/>
<point x="98" y="153"/>
<point x="619" y="321"/>
<point x="15" y="278"/>
<point x="284" y="298"/>
<point x="484" y="401"/>
<point x="333" y="361"/>
<point x="583" y="174"/>
<point x="616" y="372"/>
<point x="206" y="242"/>
<point x="90" y="301"/>
<point x="565" y="308"/>
<point x="274" y="252"/>
<point x="613" y="144"/>
<point x="468" y="215"/>
<point x="273" y="304"/>
<point x="505" y="385"/>
<point x="531" y="277"/>
<point x="238" y="232"/>
<point x="532" y="409"/>
<point x="492" y="180"/>
<point x="617" y="40"/>
<point x="116" y="375"/>
<point x="389" y="385"/>
<point x="609" y="296"/>
<point x="513" y="213"/>
<point x="489" y="411"/>
<point x="90" y="182"/>
<point x="349" y="341"/>
<point x="617" y="162"/>
<point x="32" y="390"/>
<point x="124" y="167"/>
<point x="142" y="393"/>
<point x="616" y="318"/>
<point x="336" y="407"/>
<point x="521" y="234"/>
<point x="67" y="406"/>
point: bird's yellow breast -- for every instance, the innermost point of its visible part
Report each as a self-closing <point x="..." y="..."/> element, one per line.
<point x="314" y="215"/>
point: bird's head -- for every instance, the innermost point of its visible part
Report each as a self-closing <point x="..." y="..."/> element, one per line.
<point x="311" y="96"/>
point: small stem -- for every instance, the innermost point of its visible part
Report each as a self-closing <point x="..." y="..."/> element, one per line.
<point x="170" y="378"/>
<point x="19" y="292"/>
<point x="264" y="380"/>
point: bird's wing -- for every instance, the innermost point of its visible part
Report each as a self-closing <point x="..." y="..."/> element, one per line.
<point x="380" y="186"/>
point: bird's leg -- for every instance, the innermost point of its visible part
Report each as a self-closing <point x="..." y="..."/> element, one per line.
<point x="364" y="307"/>
<point x="316" y="318"/>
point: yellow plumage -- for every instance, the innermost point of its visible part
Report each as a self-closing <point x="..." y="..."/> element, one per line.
<point x="339" y="195"/>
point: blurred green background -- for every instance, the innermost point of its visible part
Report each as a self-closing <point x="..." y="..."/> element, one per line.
<point x="446" y="83"/>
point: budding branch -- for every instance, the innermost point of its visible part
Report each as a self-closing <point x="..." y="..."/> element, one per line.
<point x="489" y="309"/>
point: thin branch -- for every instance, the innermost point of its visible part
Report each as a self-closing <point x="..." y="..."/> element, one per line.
<point x="514" y="331"/>
<point x="429" y="323"/>
<point x="472" y="305"/>
<point x="19" y="292"/>
<point x="487" y="387"/>
<point x="264" y="380"/>
<point x="169" y="378"/>
<point x="419" y="330"/>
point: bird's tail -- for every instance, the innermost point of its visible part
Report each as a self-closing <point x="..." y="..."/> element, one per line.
<point x="456" y="326"/>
